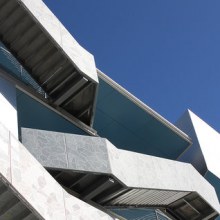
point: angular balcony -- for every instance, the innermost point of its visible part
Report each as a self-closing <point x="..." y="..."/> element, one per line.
<point x="53" y="58"/>
<point x="94" y="170"/>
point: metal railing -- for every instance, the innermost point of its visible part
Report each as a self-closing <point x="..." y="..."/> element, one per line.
<point x="144" y="214"/>
<point x="13" y="67"/>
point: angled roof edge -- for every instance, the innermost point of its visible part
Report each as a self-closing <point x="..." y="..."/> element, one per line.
<point x="143" y="106"/>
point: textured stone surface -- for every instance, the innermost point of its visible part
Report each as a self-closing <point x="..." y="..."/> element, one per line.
<point x="75" y="209"/>
<point x="38" y="189"/>
<point x="33" y="181"/>
<point x="67" y="151"/>
<point x="87" y="153"/>
<point x="4" y="153"/>
<point x="47" y="148"/>
<point x="79" y="56"/>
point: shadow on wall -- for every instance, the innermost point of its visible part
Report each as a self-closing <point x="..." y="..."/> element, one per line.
<point x="8" y="92"/>
<point x="32" y="114"/>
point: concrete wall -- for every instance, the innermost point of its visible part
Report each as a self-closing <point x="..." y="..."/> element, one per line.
<point x="8" y="106"/>
<point x="33" y="114"/>
<point x="67" y="151"/>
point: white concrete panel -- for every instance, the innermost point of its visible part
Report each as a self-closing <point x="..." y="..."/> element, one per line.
<point x="209" y="141"/>
<point x="4" y="153"/>
<point x="75" y="210"/>
<point x="35" y="184"/>
<point x="45" y="17"/>
<point x="143" y="171"/>
<point x="81" y="57"/>
<point x="8" y="106"/>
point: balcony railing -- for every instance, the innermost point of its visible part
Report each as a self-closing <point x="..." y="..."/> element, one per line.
<point x="12" y="65"/>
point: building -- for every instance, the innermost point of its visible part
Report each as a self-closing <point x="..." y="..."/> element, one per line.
<point x="68" y="134"/>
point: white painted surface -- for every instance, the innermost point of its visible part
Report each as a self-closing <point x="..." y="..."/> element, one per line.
<point x="144" y="171"/>
<point x="8" y="106"/>
<point x="209" y="141"/>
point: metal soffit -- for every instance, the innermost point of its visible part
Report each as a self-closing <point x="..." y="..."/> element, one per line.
<point x="66" y="86"/>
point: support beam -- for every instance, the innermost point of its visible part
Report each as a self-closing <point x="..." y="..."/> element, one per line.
<point x="32" y="29"/>
<point x="30" y="217"/>
<point x="97" y="187"/>
<point x="52" y="60"/>
<point x="192" y="207"/>
<point x="58" y="175"/>
<point x="14" y="201"/>
<point x="48" y="75"/>
<point x="211" y="216"/>
<point x="32" y="40"/>
<point x="39" y="60"/>
<point x="23" y="214"/>
<point x="73" y="89"/>
<point x="3" y="189"/>
<point x="84" y="110"/>
<point x="36" y="58"/>
<point x="111" y="195"/>
<point x="84" y="176"/>
<point x="86" y="86"/>
<point x="14" y="23"/>
<point x="4" y="4"/>
<point x="62" y="83"/>
<point x="3" y="9"/>
<point x="173" y="214"/>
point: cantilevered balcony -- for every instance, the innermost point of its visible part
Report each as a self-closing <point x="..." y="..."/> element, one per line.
<point x="96" y="171"/>
<point x="53" y="58"/>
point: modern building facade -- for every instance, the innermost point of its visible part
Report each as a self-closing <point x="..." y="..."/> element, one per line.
<point x="76" y="145"/>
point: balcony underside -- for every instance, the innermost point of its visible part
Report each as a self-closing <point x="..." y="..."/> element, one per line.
<point x="64" y="83"/>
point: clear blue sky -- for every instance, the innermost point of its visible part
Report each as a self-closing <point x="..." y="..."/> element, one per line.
<point x="167" y="53"/>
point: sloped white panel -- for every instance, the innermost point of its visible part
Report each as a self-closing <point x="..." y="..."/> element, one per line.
<point x="209" y="141"/>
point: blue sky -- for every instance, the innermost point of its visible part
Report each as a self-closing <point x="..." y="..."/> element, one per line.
<point x="167" y="53"/>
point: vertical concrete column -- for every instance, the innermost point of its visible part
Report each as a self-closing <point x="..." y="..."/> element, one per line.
<point x="8" y="106"/>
